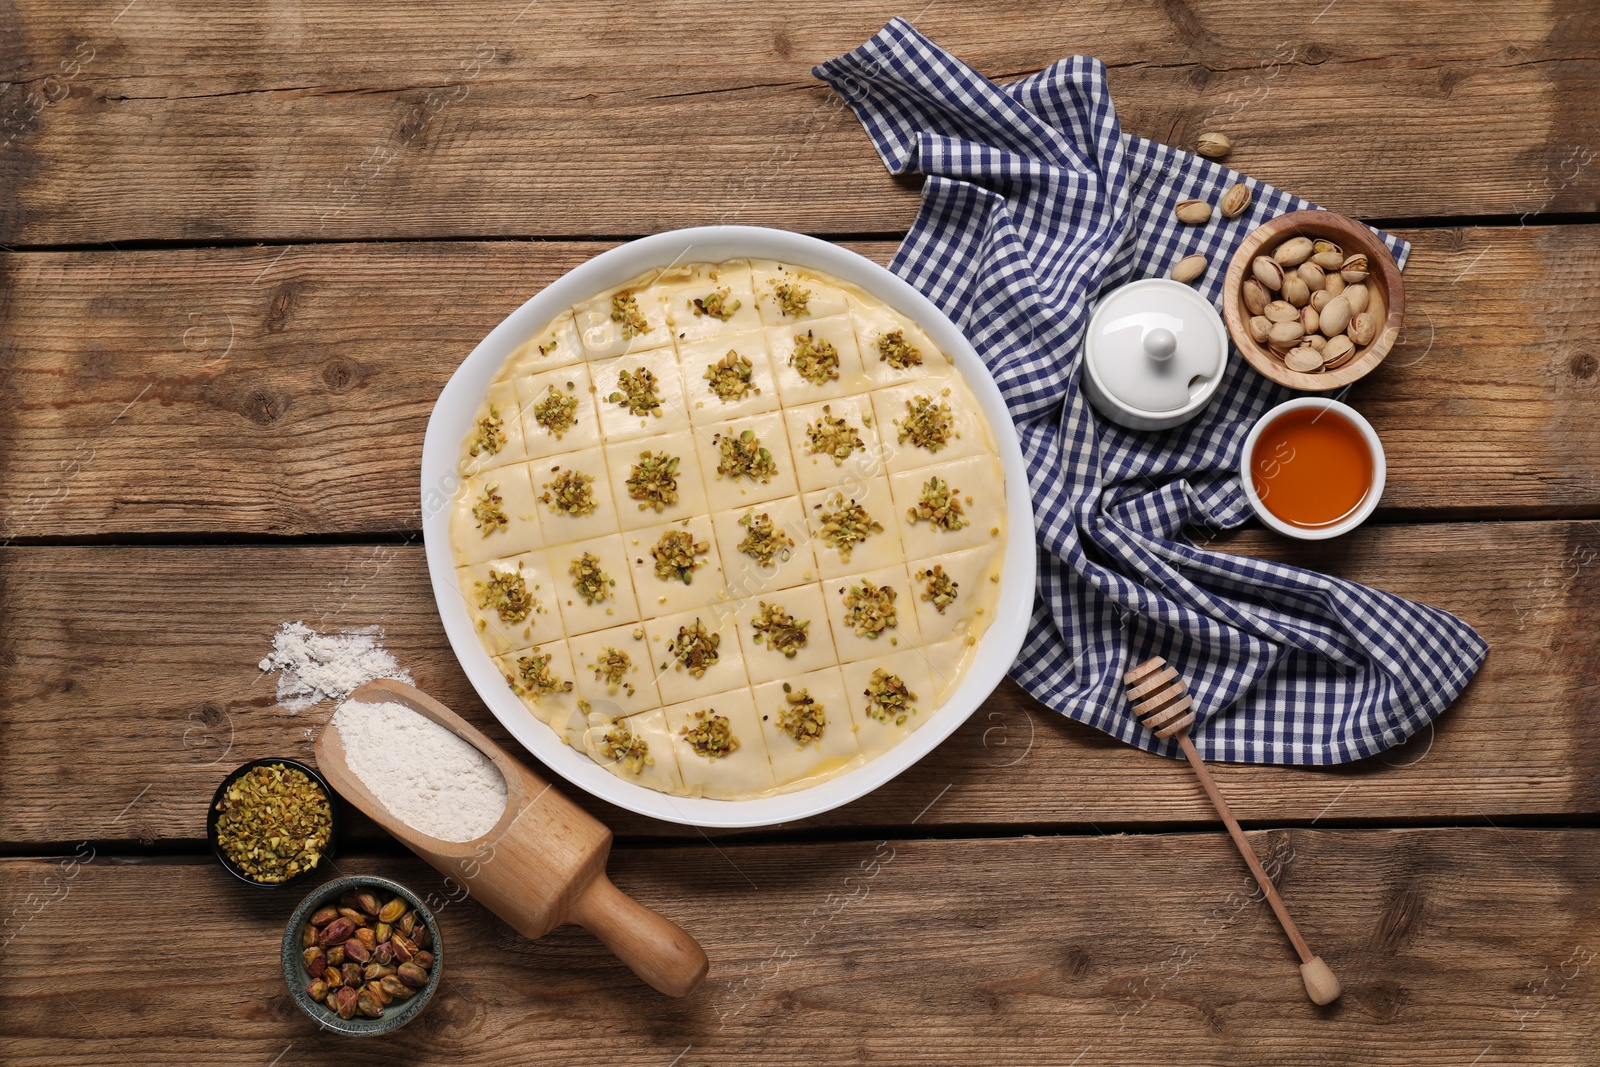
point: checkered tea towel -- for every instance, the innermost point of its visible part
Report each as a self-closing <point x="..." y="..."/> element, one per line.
<point x="1035" y="204"/>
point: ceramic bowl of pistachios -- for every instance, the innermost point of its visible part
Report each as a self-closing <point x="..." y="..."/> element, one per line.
<point x="1313" y="300"/>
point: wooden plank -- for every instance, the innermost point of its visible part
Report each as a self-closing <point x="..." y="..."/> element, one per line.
<point x="1455" y="947"/>
<point x="202" y="390"/>
<point x="350" y="121"/>
<point x="129" y="686"/>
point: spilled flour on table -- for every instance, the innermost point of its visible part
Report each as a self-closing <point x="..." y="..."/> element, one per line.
<point x="314" y="667"/>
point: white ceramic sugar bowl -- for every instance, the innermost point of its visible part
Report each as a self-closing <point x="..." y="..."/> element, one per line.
<point x="1154" y="355"/>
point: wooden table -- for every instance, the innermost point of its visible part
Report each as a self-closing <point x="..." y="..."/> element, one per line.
<point x="244" y="250"/>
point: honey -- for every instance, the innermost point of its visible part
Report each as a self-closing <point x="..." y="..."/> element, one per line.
<point x="1311" y="468"/>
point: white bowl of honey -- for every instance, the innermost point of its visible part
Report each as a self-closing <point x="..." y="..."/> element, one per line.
<point x="1312" y="468"/>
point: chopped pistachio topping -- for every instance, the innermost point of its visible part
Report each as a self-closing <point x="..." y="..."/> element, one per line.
<point x="763" y="541"/>
<point x="730" y="377"/>
<point x="713" y="736"/>
<point x="744" y="456"/>
<point x="694" y="648"/>
<point x="939" y="588"/>
<point x="490" y="515"/>
<point x="793" y="300"/>
<point x="801" y="717"/>
<point x="591" y="583"/>
<point x="654" y="481"/>
<point x="815" y="359"/>
<point x="895" y="350"/>
<point x="716" y="305"/>
<point x="571" y="492"/>
<point x="928" y="423"/>
<point x="625" y="312"/>
<point x="847" y="524"/>
<point x="550" y="346"/>
<point x="610" y="667"/>
<point x="869" y="609"/>
<point x="533" y="677"/>
<point x="491" y="434"/>
<point x="939" y="505"/>
<point x="557" y="411"/>
<point x="779" y="631"/>
<point x="830" y="436"/>
<point x="625" y="748"/>
<point x="675" y="555"/>
<point x="273" y="823"/>
<point x="888" y="698"/>
<point x="506" y="593"/>
<point x="638" y="392"/>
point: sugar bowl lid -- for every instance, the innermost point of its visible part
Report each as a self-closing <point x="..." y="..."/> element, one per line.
<point x="1155" y="352"/>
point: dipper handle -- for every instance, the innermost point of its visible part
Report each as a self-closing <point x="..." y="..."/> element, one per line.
<point x="653" y="946"/>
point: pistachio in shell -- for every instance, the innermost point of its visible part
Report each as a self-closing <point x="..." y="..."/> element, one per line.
<point x="1354" y="268"/>
<point x="1334" y="283"/>
<point x="1256" y="297"/>
<point x="1193" y="212"/>
<point x="1335" y="317"/>
<point x="1359" y="296"/>
<point x="1235" y="201"/>
<point x="1268" y="272"/>
<point x="1326" y="254"/>
<point x="1320" y="298"/>
<point x="1337" y="352"/>
<point x="1281" y="311"/>
<point x="1316" y="340"/>
<point x="1213" y="145"/>
<point x="1285" y="335"/>
<point x="1189" y="268"/>
<point x="1296" y="291"/>
<point x="1260" y="326"/>
<point x="1309" y="319"/>
<point x="1293" y="252"/>
<point x="1362" y="329"/>
<point x="1304" y="359"/>
<point x="1314" y="276"/>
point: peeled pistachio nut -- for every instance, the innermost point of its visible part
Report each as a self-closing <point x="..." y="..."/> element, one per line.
<point x="1314" y="276"/>
<point x="356" y="918"/>
<point x="1234" y="202"/>
<point x="381" y="934"/>
<point x="1309" y="319"/>
<point x="1193" y="212"/>
<point x="1260" y="326"/>
<point x="412" y="975"/>
<point x="1268" y="272"/>
<point x="422" y="937"/>
<point x="407" y="923"/>
<point x="1281" y="311"/>
<point x="1320" y="298"/>
<point x="374" y="971"/>
<point x="1293" y="252"/>
<point x="1334" y="284"/>
<point x="1359" y="296"/>
<point x="1305" y="359"/>
<point x="367" y="1004"/>
<point x="1213" y="145"/>
<point x="366" y="901"/>
<point x="396" y="988"/>
<point x="368" y="938"/>
<point x="423" y="959"/>
<point x="308" y="936"/>
<point x="1256" y="296"/>
<point x="334" y="976"/>
<point x="1189" y="268"/>
<point x="336" y="932"/>
<point x="323" y="916"/>
<point x="1337" y="351"/>
<point x="404" y="947"/>
<point x="376" y="989"/>
<point x="1362" y="329"/>
<point x="336" y="956"/>
<point x="1354" y="268"/>
<point x="1335" y="317"/>
<point x="1326" y="254"/>
<point x="316" y="989"/>
<point x="1285" y="335"/>
<point x="357" y="950"/>
<point x="345" y="1002"/>
<point x="392" y="911"/>
<point x="1296" y="291"/>
<point x="351" y="973"/>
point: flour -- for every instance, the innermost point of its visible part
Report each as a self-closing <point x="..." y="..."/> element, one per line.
<point x="314" y="667"/>
<point x="426" y="776"/>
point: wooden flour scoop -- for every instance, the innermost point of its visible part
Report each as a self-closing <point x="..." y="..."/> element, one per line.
<point x="543" y="864"/>
<point x="1161" y="701"/>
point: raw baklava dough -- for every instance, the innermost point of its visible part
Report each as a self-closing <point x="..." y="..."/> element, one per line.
<point x="731" y="528"/>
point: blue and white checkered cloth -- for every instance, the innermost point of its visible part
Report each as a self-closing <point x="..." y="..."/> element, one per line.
<point x="1036" y="203"/>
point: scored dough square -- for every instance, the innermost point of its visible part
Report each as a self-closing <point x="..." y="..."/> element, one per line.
<point x="851" y="645"/>
<point x="804" y="603"/>
<point x="820" y="470"/>
<point x="521" y="530"/>
<point x="821" y="297"/>
<point x="872" y="324"/>
<point x="672" y="679"/>
<point x="690" y="324"/>
<point x="794" y="389"/>
<point x="948" y="662"/>
<point x="660" y="771"/>
<point x="559" y="527"/>
<point x="978" y="482"/>
<point x="616" y="421"/>
<point x="968" y="434"/>
<point x="572" y="382"/>
<point x="745" y="576"/>
<point x="878" y="550"/>
<point x="557" y="709"/>
<point x="742" y="772"/>
<point x="836" y="749"/>
<point x="622" y="458"/>
<point x="741" y="490"/>
<point x="556" y="345"/>
<point x="603" y="338"/>
<point x="502" y="409"/>
<point x="975" y="595"/>
<point x="665" y="596"/>
<point x="705" y="406"/>
<point x="640" y="673"/>
<point x="619" y="604"/>
<point x="873" y="735"/>
<point x="499" y="634"/>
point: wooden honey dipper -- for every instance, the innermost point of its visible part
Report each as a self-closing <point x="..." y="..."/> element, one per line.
<point x="1161" y="701"/>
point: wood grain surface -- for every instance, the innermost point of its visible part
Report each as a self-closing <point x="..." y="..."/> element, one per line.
<point x="286" y="391"/>
<point x="160" y="121"/>
<point x="1456" y="947"/>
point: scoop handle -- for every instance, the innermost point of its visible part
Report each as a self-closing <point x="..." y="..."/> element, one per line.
<point x="654" y="947"/>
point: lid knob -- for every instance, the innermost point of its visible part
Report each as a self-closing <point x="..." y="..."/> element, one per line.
<point x="1159" y="344"/>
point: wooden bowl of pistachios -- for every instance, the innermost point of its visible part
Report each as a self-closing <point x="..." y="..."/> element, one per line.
<point x="1313" y="300"/>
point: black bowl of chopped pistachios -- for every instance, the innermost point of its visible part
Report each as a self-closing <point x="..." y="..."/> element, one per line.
<point x="362" y="955"/>
<point x="272" y="823"/>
